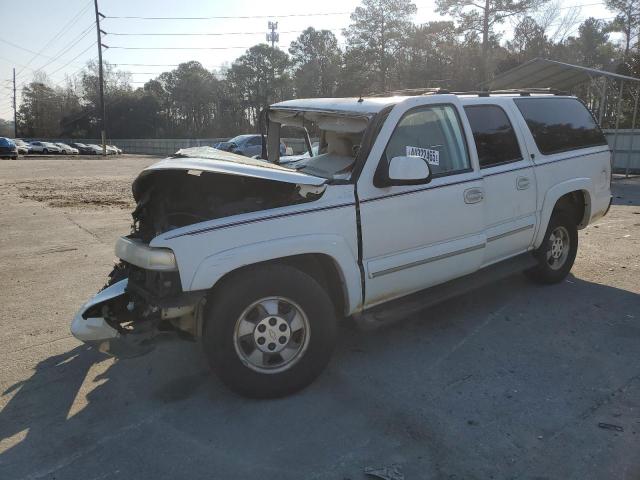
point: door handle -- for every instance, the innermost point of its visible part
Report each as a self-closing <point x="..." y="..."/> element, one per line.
<point x="522" y="183"/>
<point x="473" y="195"/>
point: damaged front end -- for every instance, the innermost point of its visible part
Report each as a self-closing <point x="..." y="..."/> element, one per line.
<point x="144" y="295"/>
<point x="125" y="317"/>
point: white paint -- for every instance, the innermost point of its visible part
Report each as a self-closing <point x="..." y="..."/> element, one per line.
<point x="413" y="236"/>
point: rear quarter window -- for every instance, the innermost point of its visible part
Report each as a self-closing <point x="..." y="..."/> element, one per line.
<point x="560" y="124"/>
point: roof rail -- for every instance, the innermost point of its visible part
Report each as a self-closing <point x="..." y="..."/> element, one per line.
<point x="409" y="92"/>
<point x="523" y="92"/>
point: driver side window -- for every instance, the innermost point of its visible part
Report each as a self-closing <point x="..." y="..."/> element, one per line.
<point x="434" y="133"/>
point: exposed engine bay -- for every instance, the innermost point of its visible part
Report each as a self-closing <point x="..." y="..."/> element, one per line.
<point x="169" y="199"/>
<point x="137" y="303"/>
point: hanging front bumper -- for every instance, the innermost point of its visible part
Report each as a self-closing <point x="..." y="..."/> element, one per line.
<point x="91" y="326"/>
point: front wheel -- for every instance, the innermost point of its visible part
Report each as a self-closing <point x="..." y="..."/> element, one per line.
<point x="269" y="331"/>
<point x="558" y="250"/>
<point x="45" y="151"/>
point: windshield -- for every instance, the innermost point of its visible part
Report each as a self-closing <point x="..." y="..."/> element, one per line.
<point x="240" y="138"/>
<point x="335" y="140"/>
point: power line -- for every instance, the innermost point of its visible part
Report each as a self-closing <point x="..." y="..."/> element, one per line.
<point x="28" y="50"/>
<point x="74" y="58"/>
<point x="58" y="35"/>
<point x="581" y="5"/>
<point x="69" y="46"/>
<point x="144" y="64"/>
<point x="177" y="48"/>
<point x="214" y="34"/>
<point x="290" y="15"/>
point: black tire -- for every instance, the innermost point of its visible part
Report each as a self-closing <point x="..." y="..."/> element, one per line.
<point x="544" y="272"/>
<point x="45" y="151"/>
<point x="225" y="308"/>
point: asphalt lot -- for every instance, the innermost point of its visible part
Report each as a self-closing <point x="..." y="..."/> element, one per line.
<point x="509" y="381"/>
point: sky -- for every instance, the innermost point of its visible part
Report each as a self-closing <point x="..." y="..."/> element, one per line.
<point x="58" y="37"/>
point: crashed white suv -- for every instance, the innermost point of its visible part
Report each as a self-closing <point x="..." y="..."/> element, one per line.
<point x="407" y="201"/>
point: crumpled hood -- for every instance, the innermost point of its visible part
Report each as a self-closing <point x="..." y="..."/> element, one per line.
<point x="209" y="159"/>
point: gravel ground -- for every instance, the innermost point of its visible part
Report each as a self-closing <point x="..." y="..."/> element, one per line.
<point x="510" y="381"/>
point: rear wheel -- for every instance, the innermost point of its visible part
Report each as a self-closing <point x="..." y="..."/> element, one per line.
<point x="558" y="250"/>
<point x="269" y="331"/>
<point x="45" y="151"/>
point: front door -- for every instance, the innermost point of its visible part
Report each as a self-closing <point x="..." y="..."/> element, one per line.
<point x="417" y="236"/>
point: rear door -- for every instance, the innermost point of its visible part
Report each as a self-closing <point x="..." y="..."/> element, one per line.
<point x="416" y="236"/>
<point x="509" y="180"/>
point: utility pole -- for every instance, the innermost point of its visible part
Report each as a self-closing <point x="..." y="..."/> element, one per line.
<point x="15" y="112"/>
<point x="101" y="80"/>
<point x="273" y="37"/>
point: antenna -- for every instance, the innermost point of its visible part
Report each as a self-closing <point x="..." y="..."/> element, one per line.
<point x="273" y="36"/>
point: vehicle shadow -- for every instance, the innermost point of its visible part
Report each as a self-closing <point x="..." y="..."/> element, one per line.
<point x="426" y="393"/>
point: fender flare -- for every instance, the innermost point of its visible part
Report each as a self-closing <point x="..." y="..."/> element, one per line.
<point x="214" y="267"/>
<point x="552" y="196"/>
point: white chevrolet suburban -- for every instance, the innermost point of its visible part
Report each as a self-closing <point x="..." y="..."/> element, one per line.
<point x="407" y="200"/>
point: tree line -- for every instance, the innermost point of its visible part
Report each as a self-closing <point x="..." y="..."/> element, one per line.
<point x="384" y="50"/>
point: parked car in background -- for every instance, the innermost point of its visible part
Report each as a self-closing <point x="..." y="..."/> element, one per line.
<point x="117" y="149"/>
<point x="83" y="148"/>
<point x="23" y="147"/>
<point x="67" y="149"/>
<point x="95" y="149"/>
<point x="8" y="148"/>
<point x="43" y="147"/>
<point x="111" y="150"/>
<point x="248" y="145"/>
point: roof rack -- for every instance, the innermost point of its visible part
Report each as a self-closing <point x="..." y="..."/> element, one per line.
<point x="523" y="92"/>
<point x="409" y="92"/>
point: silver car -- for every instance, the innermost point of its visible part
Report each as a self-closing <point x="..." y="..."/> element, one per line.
<point x="43" y="147"/>
<point x="67" y="149"/>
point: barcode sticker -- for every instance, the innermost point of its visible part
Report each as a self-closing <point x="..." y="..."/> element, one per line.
<point x="431" y="156"/>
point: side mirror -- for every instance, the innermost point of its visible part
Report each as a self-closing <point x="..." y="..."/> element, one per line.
<point x="409" y="170"/>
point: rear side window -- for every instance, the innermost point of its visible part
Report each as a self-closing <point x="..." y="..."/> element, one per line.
<point x="493" y="133"/>
<point x="560" y="124"/>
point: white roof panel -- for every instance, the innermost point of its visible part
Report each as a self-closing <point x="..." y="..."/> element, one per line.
<point x="361" y="106"/>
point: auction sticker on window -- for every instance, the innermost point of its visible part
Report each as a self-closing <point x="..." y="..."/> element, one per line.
<point x="431" y="156"/>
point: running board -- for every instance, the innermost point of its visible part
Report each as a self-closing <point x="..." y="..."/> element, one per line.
<point x="395" y="310"/>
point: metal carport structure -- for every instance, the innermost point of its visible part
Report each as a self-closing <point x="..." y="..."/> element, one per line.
<point x="544" y="73"/>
